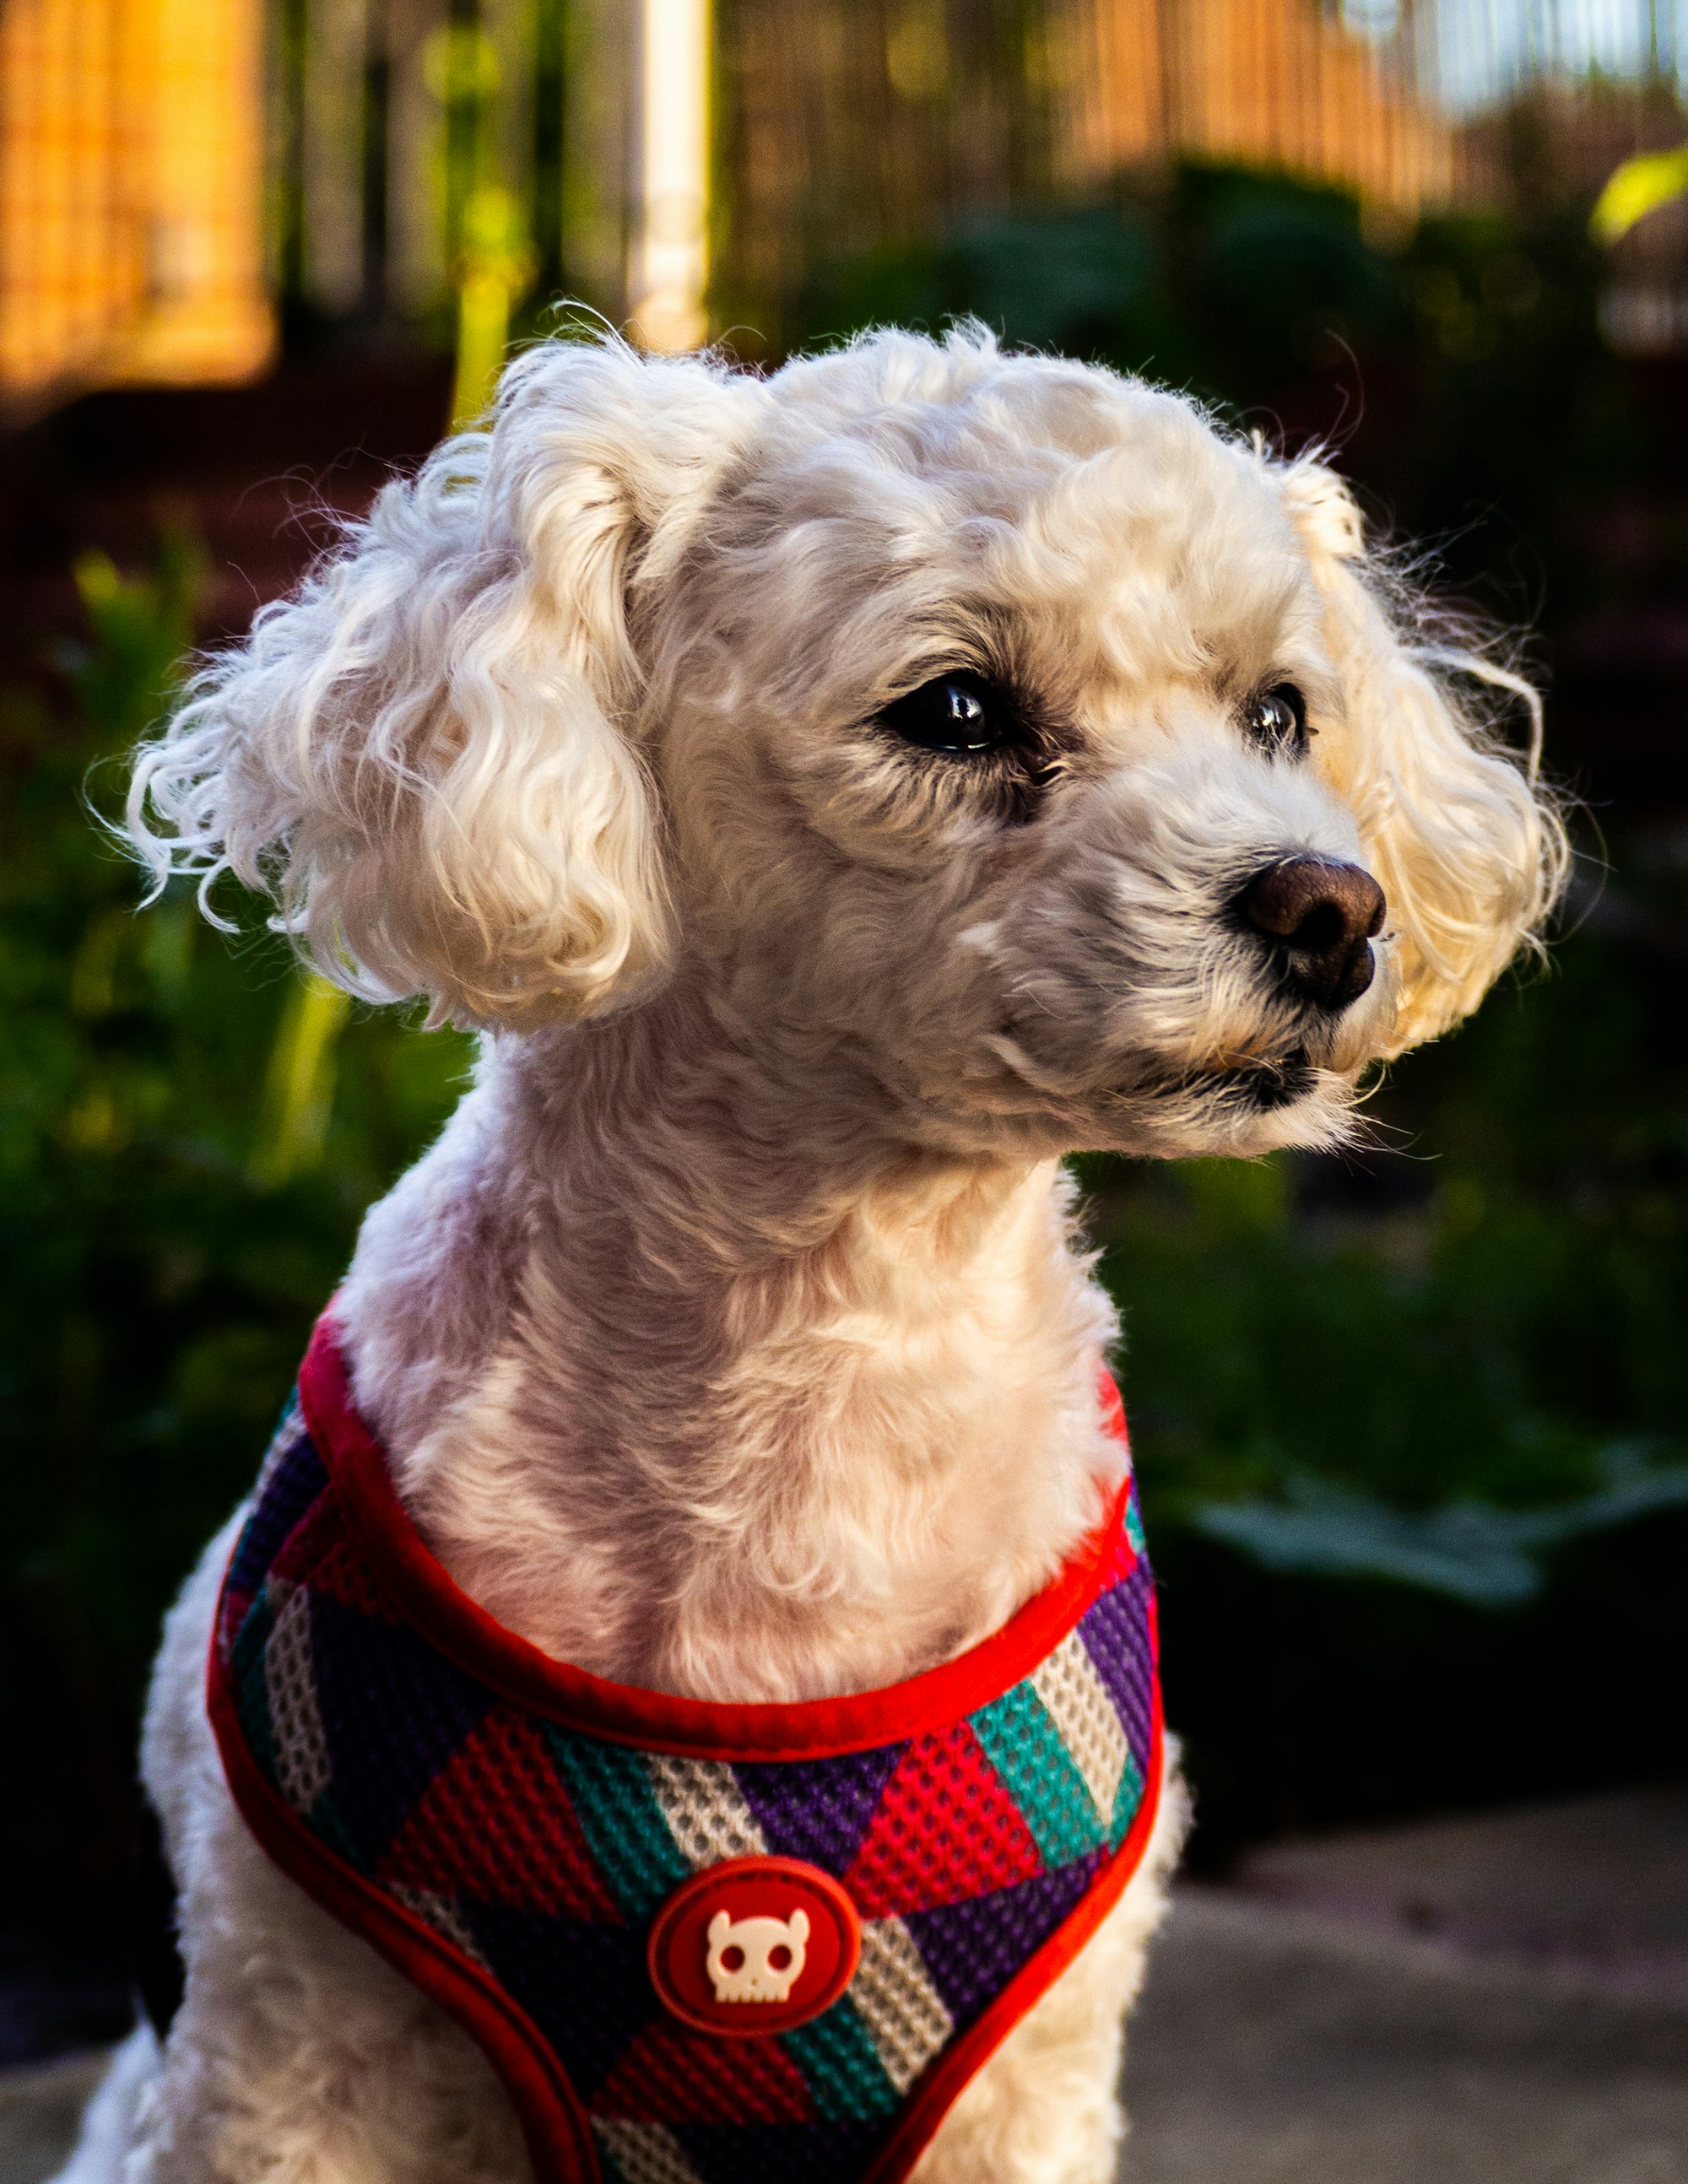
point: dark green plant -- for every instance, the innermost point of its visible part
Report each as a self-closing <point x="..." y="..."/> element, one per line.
<point x="158" y="1267"/>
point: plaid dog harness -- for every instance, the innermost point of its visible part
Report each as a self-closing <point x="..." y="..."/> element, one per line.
<point x="701" y="1944"/>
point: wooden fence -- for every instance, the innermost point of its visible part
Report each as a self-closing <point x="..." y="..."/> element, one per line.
<point x="166" y="164"/>
<point x="131" y="194"/>
<point x="1287" y="87"/>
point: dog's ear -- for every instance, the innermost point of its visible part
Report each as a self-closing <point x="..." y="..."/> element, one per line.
<point x="1469" y="849"/>
<point x="430" y="757"/>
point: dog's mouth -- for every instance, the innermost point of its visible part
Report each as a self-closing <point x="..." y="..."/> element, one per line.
<point x="1260" y="1085"/>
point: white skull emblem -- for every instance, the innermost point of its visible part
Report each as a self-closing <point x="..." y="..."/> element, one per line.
<point x="757" y="1960"/>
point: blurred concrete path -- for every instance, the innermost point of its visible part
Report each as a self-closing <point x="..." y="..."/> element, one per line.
<point x="1501" y="2000"/>
<point x="1598" y="1887"/>
<point x="1276" y="2046"/>
<point x="40" y="2108"/>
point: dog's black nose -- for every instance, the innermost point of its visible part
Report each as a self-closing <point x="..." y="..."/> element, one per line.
<point x="1321" y="917"/>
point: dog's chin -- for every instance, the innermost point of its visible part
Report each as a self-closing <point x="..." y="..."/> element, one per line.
<point x="1246" y="1106"/>
<point x="1263" y="1107"/>
<point x="1267" y="1088"/>
<point x="1258" y="1087"/>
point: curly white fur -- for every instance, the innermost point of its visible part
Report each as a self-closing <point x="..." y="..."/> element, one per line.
<point x="733" y="1339"/>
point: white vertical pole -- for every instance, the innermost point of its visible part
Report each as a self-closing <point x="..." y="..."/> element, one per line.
<point x="669" y="260"/>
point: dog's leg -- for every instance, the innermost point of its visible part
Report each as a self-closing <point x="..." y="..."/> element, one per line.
<point x="298" y="2056"/>
<point x="1045" y="2109"/>
<point x="111" y="2122"/>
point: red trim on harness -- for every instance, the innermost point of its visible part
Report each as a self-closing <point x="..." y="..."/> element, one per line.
<point x="659" y="1721"/>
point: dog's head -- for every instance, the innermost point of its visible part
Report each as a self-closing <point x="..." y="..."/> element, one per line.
<point x="988" y="734"/>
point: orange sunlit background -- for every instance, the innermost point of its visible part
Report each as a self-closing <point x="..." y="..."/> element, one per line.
<point x="1410" y="1426"/>
<point x="176" y="173"/>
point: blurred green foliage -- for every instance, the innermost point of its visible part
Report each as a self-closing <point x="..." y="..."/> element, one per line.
<point x="156" y="1279"/>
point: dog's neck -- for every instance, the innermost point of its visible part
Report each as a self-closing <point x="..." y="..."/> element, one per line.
<point x="690" y="1390"/>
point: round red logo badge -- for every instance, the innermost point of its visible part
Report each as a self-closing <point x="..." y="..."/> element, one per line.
<point x="754" y="1944"/>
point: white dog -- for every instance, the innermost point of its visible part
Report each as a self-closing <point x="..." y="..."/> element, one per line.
<point x="835" y="797"/>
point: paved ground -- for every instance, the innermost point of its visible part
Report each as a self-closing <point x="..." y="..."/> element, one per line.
<point x="39" y="2108"/>
<point x="1274" y="2046"/>
<point x="1496" y="2001"/>
<point x="1597" y="1887"/>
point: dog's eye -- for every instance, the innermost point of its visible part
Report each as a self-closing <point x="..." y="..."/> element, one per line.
<point x="958" y="712"/>
<point x="1277" y="719"/>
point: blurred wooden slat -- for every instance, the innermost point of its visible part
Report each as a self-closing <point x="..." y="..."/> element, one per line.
<point x="857" y="124"/>
<point x="133" y="162"/>
<point x="1270" y="83"/>
<point x="132" y="181"/>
